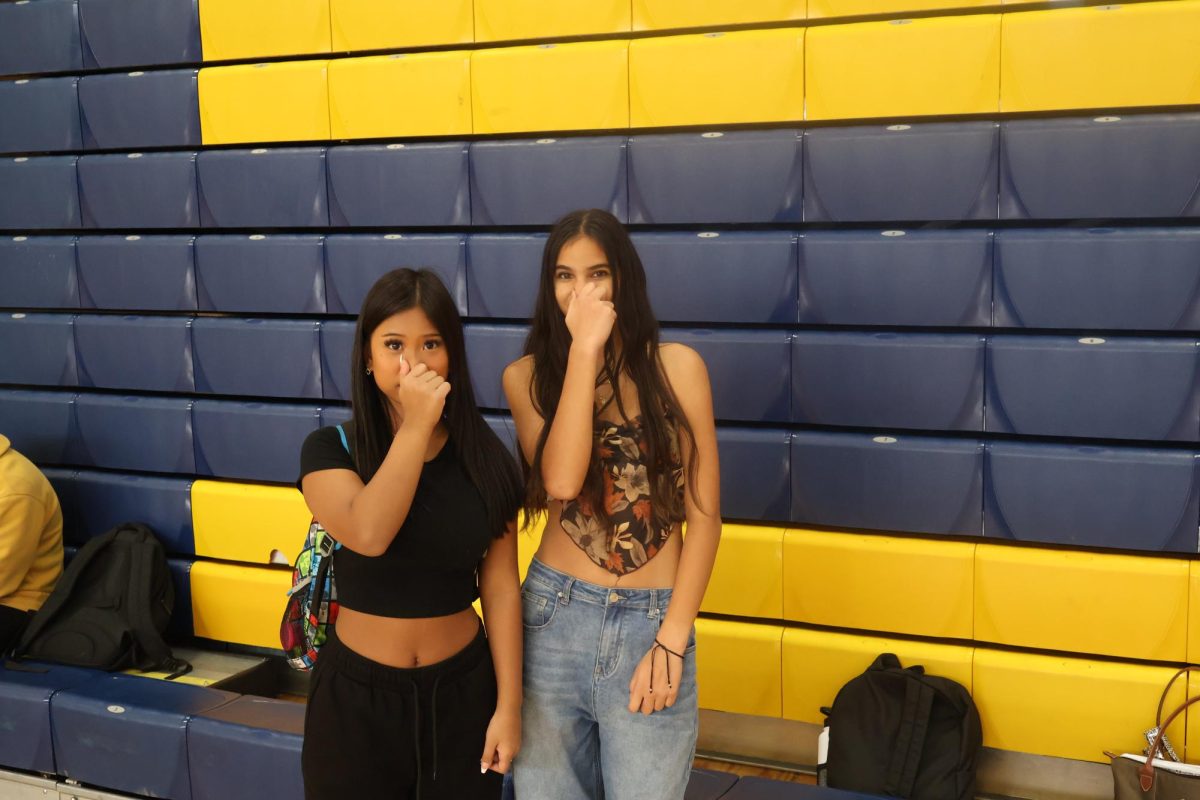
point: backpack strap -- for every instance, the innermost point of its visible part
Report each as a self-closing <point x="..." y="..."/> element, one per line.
<point x="150" y="641"/>
<point x="342" y="434"/>
<point x="910" y="739"/>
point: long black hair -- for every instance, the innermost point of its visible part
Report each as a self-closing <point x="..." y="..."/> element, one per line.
<point x="636" y="328"/>
<point x="486" y="460"/>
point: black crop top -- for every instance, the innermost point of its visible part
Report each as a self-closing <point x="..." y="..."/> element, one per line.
<point x="430" y="569"/>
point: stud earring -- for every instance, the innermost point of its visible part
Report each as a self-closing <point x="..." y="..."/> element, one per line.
<point x="368" y="370"/>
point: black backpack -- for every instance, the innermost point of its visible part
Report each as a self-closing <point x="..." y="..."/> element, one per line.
<point x="903" y="733"/>
<point x="110" y="607"/>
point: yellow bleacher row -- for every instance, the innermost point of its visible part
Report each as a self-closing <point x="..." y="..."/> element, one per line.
<point x="234" y="29"/>
<point x="881" y="587"/>
<point x="1120" y="56"/>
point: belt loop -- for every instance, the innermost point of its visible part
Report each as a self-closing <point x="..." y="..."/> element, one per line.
<point x="653" y="612"/>
<point x="565" y="593"/>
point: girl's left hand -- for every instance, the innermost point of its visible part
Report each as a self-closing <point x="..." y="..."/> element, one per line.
<point x="654" y="664"/>
<point x="502" y="742"/>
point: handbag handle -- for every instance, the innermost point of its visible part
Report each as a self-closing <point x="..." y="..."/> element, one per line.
<point x="1146" y="773"/>
<point x="1167" y="690"/>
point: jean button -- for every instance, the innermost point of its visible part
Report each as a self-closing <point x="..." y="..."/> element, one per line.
<point x="613" y="597"/>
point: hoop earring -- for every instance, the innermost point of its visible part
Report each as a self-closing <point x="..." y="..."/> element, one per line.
<point x="368" y="370"/>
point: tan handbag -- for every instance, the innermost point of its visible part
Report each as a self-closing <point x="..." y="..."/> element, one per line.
<point x="1135" y="778"/>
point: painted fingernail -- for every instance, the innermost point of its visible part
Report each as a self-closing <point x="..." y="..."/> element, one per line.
<point x="482" y="767"/>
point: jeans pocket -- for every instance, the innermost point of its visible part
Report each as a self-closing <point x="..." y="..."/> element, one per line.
<point x="536" y="611"/>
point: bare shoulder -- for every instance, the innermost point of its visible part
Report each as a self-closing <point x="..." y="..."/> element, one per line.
<point x="519" y="371"/>
<point x="683" y="365"/>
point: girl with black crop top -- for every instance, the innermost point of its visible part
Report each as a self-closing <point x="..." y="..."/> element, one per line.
<point x="620" y="448"/>
<point x="409" y="698"/>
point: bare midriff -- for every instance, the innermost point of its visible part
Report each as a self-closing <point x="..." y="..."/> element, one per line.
<point x="406" y="642"/>
<point x="559" y="551"/>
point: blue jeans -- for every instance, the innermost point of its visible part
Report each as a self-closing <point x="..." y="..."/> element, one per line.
<point x="582" y="644"/>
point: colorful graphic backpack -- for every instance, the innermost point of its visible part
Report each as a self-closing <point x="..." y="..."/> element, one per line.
<point x="312" y="601"/>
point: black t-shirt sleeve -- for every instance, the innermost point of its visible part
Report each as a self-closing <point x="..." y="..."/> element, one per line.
<point x="323" y="449"/>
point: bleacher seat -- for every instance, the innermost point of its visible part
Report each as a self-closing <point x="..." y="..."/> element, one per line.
<point x="722" y="177"/>
<point x="246" y="749"/>
<point x="501" y="20"/>
<point x="896" y="277"/>
<point x="39" y="115"/>
<point x="407" y="94"/>
<point x="921" y="172"/>
<point x="926" y="381"/>
<point x="755" y="473"/>
<point x="1136" y="166"/>
<point x="147" y="716"/>
<point x="251" y="441"/>
<point x="660" y="14"/>
<point x="1136" y="279"/>
<point x="503" y="272"/>
<point x="39" y="192"/>
<point x="398" y="185"/>
<point x="257" y="357"/>
<point x="335" y="415"/>
<point x="137" y="273"/>
<point x="150" y="354"/>
<point x="534" y="182"/>
<point x="281" y="102"/>
<point x="140" y="109"/>
<point x="1108" y="56"/>
<point x="741" y="666"/>
<point x="824" y="9"/>
<point x="149" y="434"/>
<point x="38" y="272"/>
<point x="41" y="425"/>
<point x="263" y="188"/>
<point x="699" y="79"/>
<point x="233" y="29"/>
<point x="353" y="262"/>
<point x="1127" y="498"/>
<point x="25" y="697"/>
<point x="380" y="24"/>
<point x="917" y="67"/>
<point x="282" y="274"/>
<point x="138" y="190"/>
<point x="747" y="577"/>
<point x="134" y="33"/>
<point x="749" y="371"/>
<point x="104" y="500"/>
<point x="909" y="483"/>
<point x="39" y="349"/>
<point x="238" y="603"/>
<point x="744" y="276"/>
<point x="336" y="340"/>
<point x="179" y="627"/>
<point x="1075" y="601"/>
<point x="62" y="480"/>
<point x="1122" y="388"/>
<point x="491" y="348"/>
<point x="39" y="37"/>
<point x="247" y="522"/>
<point x="550" y="87"/>
<point x="708" y="784"/>
<point x="503" y="427"/>
<point x="918" y="587"/>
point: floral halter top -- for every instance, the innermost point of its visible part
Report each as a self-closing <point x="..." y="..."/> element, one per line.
<point x="633" y="538"/>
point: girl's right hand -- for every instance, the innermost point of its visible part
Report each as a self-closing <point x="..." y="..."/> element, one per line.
<point x="590" y="318"/>
<point x="422" y="395"/>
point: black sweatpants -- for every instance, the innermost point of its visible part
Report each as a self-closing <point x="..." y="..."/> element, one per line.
<point x="399" y="734"/>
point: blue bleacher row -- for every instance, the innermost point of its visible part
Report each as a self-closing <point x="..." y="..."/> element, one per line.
<point x="190" y="742"/>
<point x="1143" y="279"/>
<point x="1140" y="166"/>
<point x="1131" y="498"/>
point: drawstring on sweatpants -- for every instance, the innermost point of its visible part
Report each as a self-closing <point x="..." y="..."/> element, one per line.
<point x="417" y="727"/>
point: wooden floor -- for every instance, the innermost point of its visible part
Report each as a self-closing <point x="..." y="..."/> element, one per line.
<point x="757" y="772"/>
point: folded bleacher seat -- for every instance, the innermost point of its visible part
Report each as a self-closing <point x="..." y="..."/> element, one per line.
<point x="40" y="115"/>
<point x="151" y="434"/>
<point x="283" y="274"/>
<point x="491" y="348"/>
<point x="39" y="192"/>
<point x="38" y="272"/>
<point x="399" y="185"/>
<point x="25" y="740"/>
<point x="337" y="338"/>
<point x="129" y="733"/>
<point x="380" y="24"/>
<point x="747" y="577"/>
<point x="536" y="181"/>
<point x="651" y="15"/>
<point x="38" y="349"/>
<point x="41" y="425"/>
<point x="137" y="273"/>
<point x="179" y="628"/>
<point x="709" y="784"/>
<point x="140" y="109"/>
<point x="1112" y="166"/>
<point x="334" y="415"/>
<point x="232" y="29"/>
<point x="751" y="788"/>
<point x="251" y="441"/>
<point x="353" y="262"/>
<point x="246" y="750"/>
<point x="134" y="33"/>
<point x="1127" y="498"/>
<point x="504" y="427"/>
<point x="1102" y="278"/>
<point x="139" y="190"/>
<point x="925" y="172"/>
<point x="403" y="94"/>
<point x="503" y="273"/>
<point x="896" y="277"/>
<point x="750" y="371"/>
<point x="257" y="357"/>
<point x="152" y="354"/>
<point x="755" y="473"/>
<point x="915" y="484"/>
<point x="39" y="37"/>
<point x="263" y="188"/>
<point x="733" y="176"/>
<point x="286" y="101"/>
<point x="103" y="500"/>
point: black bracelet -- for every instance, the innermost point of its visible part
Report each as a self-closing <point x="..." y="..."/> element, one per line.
<point x="660" y="646"/>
